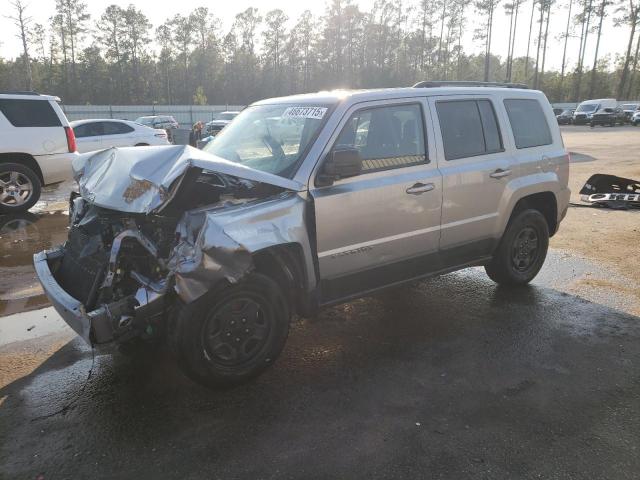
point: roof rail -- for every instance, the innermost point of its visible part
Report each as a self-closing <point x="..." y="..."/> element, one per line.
<point x="446" y="83"/>
<point x="17" y="92"/>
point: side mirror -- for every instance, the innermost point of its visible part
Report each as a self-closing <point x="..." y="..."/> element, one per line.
<point x="342" y="162"/>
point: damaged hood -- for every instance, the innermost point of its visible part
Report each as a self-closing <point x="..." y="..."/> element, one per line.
<point x="142" y="180"/>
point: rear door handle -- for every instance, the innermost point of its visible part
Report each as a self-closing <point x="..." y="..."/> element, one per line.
<point x="419" y="188"/>
<point x="499" y="173"/>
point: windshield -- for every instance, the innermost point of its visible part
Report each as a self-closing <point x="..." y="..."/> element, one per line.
<point x="227" y="116"/>
<point x="144" y="120"/>
<point x="587" y="107"/>
<point x="270" y="138"/>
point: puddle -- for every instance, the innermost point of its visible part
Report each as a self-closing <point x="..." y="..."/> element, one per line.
<point x="22" y="235"/>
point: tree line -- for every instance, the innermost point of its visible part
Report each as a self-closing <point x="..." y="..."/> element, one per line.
<point x="121" y="58"/>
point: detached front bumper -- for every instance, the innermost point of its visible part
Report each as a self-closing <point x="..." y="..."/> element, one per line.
<point x="94" y="327"/>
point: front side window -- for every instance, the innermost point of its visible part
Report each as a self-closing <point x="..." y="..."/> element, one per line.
<point x="386" y="137"/>
<point x="270" y="138"/>
<point x="469" y="128"/>
<point x="29" y="113"/>
<point x="93" y="129"/>
<point x="528" y="122"/>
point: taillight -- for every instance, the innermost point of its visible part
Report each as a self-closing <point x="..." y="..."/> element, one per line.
<point x="71" y="139"/>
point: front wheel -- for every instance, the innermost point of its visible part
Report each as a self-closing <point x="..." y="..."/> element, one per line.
<point x="19" y="188"/>
<point x="522" y="249"/>
<point x="230" y="335"/>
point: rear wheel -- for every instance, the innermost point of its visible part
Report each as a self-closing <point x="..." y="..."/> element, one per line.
<point x="19" y="188"/>
<point x="231" y="335"/>
<point x="522" y="249"/>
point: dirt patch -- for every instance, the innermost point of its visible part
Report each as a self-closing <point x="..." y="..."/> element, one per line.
<point x="607" y="236"/>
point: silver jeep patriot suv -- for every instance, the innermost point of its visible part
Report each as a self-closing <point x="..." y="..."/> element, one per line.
<point x="303" y="202"/>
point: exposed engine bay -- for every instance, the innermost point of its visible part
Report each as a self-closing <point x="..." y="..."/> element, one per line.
<point x="125" y="263"/>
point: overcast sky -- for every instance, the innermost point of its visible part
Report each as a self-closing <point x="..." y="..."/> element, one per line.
<point x="613" y="40"/>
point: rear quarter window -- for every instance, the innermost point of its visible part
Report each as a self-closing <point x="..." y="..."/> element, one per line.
<point x="528" y="123"/>
<point x="115" y="128"/>
<point x="29" y="113"/>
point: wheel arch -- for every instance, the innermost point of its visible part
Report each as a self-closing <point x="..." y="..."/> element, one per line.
<point x="285" y="264"/>
<point x="23" y="159"/>
<point x="545" y="202"/>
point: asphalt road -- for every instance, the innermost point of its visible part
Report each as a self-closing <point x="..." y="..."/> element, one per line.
<point x="450" y="378"/>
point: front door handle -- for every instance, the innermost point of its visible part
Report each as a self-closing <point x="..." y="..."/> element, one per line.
<point x="419" y="188"/>
<point x="499" y="173"/>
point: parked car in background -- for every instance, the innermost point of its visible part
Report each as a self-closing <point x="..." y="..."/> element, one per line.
<point x="98" y="134"/>
<point x="557" y="111"/>
<point x="565" y="117"/>
<point x="635" y="119"/>
<point x="608" y="116"/>
<point x="305" y="202"/>
<point x="586" y="109"/>
<point x="37" y="146"/>
<point x="166" y="122"/>
<point x="214" y="126"/>
<point x="629" y="109"/>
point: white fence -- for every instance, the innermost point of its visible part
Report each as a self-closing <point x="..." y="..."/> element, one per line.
<point x="185" y="115"/>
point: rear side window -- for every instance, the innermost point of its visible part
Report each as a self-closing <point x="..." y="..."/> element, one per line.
<point x="29" y="113"/>
<point x="528" y="122"/>
<point x="386" y="137"/>
<point x="116" y="128"/>
<point x="469" y="128"/>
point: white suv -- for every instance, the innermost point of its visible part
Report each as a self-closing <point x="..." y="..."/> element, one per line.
<point x="37" y="146"/>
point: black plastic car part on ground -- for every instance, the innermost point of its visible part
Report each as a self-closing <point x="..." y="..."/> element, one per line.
<point x="611" y="191"/>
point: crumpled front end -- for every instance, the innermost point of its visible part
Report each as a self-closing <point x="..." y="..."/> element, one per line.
<point x="119" y="271"/>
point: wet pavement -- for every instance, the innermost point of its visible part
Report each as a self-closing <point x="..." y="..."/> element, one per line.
<point x="22" y="235"/>
<point x="453" y="377"/>
<point x="449" y="378"/>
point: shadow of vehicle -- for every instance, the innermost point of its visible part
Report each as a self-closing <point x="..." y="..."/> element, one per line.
<point x="450" y="377"/>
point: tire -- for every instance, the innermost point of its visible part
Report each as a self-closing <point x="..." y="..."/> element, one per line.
<point x="515" y="262"/>
<point x="204" y="335"/>
<point x="19" y="188"/>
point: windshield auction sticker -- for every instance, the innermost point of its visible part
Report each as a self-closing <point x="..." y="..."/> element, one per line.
<point x="305" y="112"/>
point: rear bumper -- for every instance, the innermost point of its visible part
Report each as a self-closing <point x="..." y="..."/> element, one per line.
<point x="56" y="167"/>
<point x="94" y="327"/>
<point x="563" y="198"/>
<point x="602" y="121"/>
